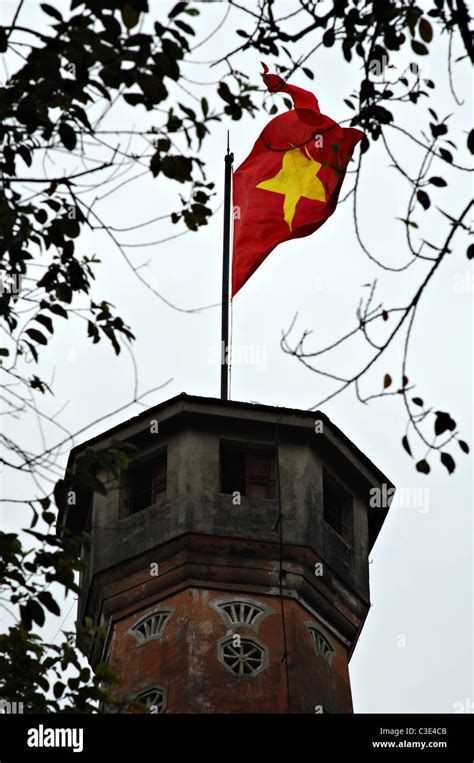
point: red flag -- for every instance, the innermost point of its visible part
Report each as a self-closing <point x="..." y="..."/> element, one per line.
<point x="289" y="184"/>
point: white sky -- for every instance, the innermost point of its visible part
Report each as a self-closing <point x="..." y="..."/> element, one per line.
<point x="415" y="651"/>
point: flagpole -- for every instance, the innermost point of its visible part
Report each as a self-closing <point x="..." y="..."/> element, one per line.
<point x="229" y="158"/>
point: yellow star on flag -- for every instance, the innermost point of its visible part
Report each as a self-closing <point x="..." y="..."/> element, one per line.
<point x="296" y="179"/>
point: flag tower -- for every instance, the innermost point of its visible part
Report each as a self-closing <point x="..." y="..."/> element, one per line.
<point x="228" y="562"/>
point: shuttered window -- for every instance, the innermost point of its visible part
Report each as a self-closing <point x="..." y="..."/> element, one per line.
<point x="247" y="471"/>
<point x="144" y="485"/>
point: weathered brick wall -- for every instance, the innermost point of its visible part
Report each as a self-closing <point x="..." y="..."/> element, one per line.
<point x="185" y="660"/>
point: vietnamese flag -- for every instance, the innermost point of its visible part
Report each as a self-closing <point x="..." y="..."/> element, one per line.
<point x="289" y="184"/>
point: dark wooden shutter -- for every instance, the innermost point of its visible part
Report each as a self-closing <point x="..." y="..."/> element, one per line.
<point x="158" y="482"/>
<point x="259" y="475"/>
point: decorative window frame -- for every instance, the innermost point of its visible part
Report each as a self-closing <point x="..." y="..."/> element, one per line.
<point x="315" y="633"/>
<point x="162" y="690"/>
<point x="264" y="654"/>
<point x="230" y="623"/>
<point x="138" y="636"/>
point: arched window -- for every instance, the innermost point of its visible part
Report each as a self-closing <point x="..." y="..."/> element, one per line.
<point x="241" y="611"/>
<point x="150" y="627"/>
<point x="322" y="646"/>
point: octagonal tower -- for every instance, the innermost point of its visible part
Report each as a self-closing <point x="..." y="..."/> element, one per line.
<point x="229" y="562"/>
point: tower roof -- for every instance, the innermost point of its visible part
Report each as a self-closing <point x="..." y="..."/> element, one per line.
<point x="201" y="412"/>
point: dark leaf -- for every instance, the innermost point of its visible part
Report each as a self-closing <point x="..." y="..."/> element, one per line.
<point x="64" y="292"/>
<point x="176" y="10"/>
<point x="423" y="467"/>
<point x="470" y="252"/>
<point x="438" y="182"/>
<point x="446" y="155"/>
<point x="423" y="198"/>
<point x="384" y="116"/>
<point x="419" y="48"/>
<point x="51" y="11"/>
<point x="42" y="683"/>
<point x="130" y="16"/>
<point x="53" y="204"/>
<point x="36" y="336"/>
<point x="443" y="423"/>
<point x="155" y="164"/>
<point x="133" y="98"/>
<point x="448" y="461"/>
<point x="47" y="322"/>
<point x="418" y="401"/>
<point x="25" y="615"/>
<point x="464" y="446"/>
<point x="177" y="168"/>
<point x="329" y="38"/>
<point x="47" y="601"/>
<point x="437" y="130"/>
<point x="346" y="49"/>
<point x="426" y="30"/>
<point x="224" y="92"/>
<point x="67" y="135"/>
<point x="58" y="310"/>
<point x="153" y="88"/>
<point x="41" y="216"/>
<point x="189" y="112"/>
<point x="308" y="72"/>
<point x="185" y="27"/>
<point x="163" y="144"/>
<point x="37" y="612"/>
<point x="470" y="141"/>
<point x="387" y="380"/>
<point x="93" y="331"/>
<point x="406" y="445"/>
<point x="58" y="689"/>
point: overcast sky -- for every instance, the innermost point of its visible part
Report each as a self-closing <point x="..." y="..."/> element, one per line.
<point x="415" y="651"/>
